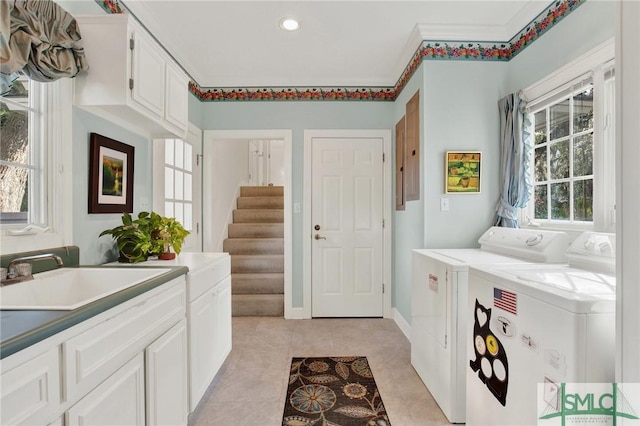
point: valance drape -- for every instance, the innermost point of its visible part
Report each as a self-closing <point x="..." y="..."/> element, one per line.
<point x="40" y="40"/>
<point x="515" y="179"/>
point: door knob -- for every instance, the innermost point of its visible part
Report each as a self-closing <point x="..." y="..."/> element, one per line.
<point x="317" y="227"/>
<point x="318" y="237"/>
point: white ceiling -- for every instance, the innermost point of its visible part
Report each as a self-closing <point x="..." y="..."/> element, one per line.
<point x="340" y="43"/>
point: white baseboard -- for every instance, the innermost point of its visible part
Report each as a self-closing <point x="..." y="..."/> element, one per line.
<point x="402" y="324"/>
<point x="295" y="313"/>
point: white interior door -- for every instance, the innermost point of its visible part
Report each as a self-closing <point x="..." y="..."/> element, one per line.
<point x="347" y="227"/>
<point x="275" y="165"/>
<point x="178" y="183"/>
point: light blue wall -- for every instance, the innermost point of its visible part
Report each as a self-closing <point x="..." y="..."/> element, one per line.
<point x="297" y="116"/>
<point x="594" y="22"/>
<point x="458" y="105"/>
<point x="87" y="227"/>
<point x="195" y="111"/>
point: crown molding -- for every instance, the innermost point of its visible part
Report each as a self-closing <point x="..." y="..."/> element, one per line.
<point x="426" y="42"/>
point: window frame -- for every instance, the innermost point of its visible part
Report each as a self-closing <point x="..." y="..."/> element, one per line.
<point x="54" y="227"/>
<point x="594" y="64"/>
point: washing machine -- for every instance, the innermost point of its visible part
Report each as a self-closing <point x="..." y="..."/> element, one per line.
<point x="439" y="301"/>
<point x="539" y="324"/>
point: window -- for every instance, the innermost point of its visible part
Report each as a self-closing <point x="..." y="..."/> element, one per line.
<point x="563" y="158"/>
<point x="178" y="181"/>
<point x="573" y="161"/>
<point x="23" y="150"/>
<point x="36" y="133"/>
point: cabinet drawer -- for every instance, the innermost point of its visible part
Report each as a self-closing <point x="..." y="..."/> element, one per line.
<point x="92" y="356"/>
<point x="31" y="391"/>
<point x="199" y="282"/>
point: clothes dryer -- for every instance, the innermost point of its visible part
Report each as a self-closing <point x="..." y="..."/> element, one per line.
<point x="539" y="324"/>
<point x="439" y="300"/>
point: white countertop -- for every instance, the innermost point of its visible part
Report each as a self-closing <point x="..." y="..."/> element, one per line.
<point x="193" y="261"/>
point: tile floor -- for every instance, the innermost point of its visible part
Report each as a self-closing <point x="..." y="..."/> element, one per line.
<point x="250" y="388"/>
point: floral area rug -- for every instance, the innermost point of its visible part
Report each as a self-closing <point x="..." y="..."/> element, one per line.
<point x="335" y="391"/>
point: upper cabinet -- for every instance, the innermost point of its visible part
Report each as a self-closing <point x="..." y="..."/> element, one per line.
<point x="131" y="79"/>
<point x="411" y="173"/>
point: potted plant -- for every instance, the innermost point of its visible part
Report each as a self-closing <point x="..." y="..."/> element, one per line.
<point x="134" y="236"/>
<point x="168" y="234"/>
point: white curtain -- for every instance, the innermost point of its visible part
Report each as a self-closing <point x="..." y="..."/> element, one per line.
<point x="38" y="39"/>
<point x="515" y="178"/>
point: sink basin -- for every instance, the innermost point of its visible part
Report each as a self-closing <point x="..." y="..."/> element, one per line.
<point x="71" y="288"/>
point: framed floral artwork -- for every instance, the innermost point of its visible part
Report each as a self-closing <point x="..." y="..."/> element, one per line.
<point x="463" y="172"/>
<point x="110" y="175"/>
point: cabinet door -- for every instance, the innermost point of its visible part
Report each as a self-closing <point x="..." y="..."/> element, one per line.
<point x="177" y="98"/>
<point x="222" y="332"/>
<point x="119" y="400"/>
<point x="166" y="376"/>
<point x="31" y="391"/>
<point x="202" y="320"/>
<point x="412" y="159"/>
<point x="148" y="73"/>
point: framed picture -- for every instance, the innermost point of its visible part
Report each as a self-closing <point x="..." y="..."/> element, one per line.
<point x="462" y="172"/>
<point x="110" y="175"/>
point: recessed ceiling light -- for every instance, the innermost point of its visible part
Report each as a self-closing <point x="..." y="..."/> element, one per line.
<point x="289" y="24"/>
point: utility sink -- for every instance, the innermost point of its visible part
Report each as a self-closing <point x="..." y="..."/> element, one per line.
<point x="70" y="288"/>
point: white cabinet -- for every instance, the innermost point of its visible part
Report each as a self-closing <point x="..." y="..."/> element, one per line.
<point x="131" y="79"/>
<point x="31" y="391"/>
<point x="124" y="366"/>
<point x="166" y="378"/>
<point x="209" y="317"/>
<point x="119" y="400"/>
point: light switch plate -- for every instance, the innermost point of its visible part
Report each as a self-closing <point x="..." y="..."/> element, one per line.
<point x="444" y="204"/>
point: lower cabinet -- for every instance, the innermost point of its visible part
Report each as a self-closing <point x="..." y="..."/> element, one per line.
<point x="119" y="400"/>
<point x="166" y="378"/>
<point x="125" y="366"/>
<point x="209" y="337"/>
<point x="31" y="391"/>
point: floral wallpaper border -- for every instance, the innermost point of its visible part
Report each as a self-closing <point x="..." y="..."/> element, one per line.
<point x="428" y="50"/>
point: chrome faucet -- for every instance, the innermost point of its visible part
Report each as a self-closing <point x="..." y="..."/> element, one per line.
<point x="34" y="258"/>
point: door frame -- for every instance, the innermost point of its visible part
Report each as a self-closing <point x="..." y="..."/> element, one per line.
<point x="287" y="136"/>
<point x="385" y="135"/>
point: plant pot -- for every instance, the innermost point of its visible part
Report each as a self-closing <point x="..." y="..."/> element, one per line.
<point x="167" y="256"/>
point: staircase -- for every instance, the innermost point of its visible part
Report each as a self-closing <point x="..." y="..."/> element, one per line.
<point x="256" y="247"/>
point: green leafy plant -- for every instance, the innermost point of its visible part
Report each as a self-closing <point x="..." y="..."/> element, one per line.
<point x="133" y="237"/>
<point x="148" y="235"/>
<point x="168" y="234"/>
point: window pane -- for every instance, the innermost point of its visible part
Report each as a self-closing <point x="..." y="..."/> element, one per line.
<point x="583" y="110"/>
<point x="559" y="160"/>
<point x="188" y="212"/>
<point x="541" y="164"/>
<point x="179" y="193"/>
<point x="560" y="201"/>
<point x="541" y="211"/>
<point x="168" y="209"/>
<point x="188" y="190"/>
<point x="559" y="116"/>
<point x="188" y="160"/>
<point x="541" y="126"/>
<point x="178" y="212"/>
<point x="168" y="151"/>
<point x="14" y="149"/>
<point x="179" y="160"/>
<point x="168" y="182"/>
<point x="583" y="200"/>
<point x="583" y="155"/>
<point x="14" y="189"/>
